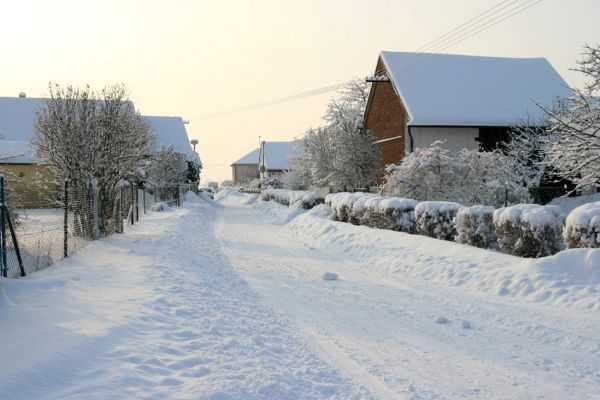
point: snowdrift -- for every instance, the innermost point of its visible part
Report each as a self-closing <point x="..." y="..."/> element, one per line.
<point x="570" y="278"/>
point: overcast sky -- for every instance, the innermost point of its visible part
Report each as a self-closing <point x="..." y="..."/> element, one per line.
<point x="193" y="58"/>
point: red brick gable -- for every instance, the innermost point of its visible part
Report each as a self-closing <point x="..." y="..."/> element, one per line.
<point x="386" y="117"/>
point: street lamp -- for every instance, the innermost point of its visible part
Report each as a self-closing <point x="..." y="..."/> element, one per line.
<point x="194" y="142"/>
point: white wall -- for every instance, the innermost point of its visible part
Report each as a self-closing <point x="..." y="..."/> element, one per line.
<point x="455" y="138"/>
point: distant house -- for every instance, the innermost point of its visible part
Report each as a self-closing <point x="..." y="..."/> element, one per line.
<point x="274" y="158"/>
<point x="246" y="168"/>
<point x="467" y="101"/>
<point x="18" y="157"/>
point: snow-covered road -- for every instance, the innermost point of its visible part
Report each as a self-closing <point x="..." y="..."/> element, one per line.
<point x="155" y="313"/>
<point x="382" y="330"/>
<point x="213" y="302"/>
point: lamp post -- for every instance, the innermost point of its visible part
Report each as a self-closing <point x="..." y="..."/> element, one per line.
<point x="194" y="142"/>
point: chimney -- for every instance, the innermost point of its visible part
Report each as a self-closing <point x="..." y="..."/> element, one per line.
<point x="22" y="95"/>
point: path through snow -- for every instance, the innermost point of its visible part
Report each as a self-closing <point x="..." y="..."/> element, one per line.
<point x="154" y="313"/>
<point x="382" y="329"/>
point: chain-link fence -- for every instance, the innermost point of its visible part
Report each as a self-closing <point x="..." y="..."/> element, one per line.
<point x="41" y="226"/>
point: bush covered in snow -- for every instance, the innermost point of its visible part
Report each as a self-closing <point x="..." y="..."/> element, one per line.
<point x="391" y="213"/>
<point x="436" y="219"/>
<point x="342" y="203"/>
<point x="291" y="197"/>
<point x="583" y="226"/>
<point x="474" y="226"/>
<point x="529" y="230"/>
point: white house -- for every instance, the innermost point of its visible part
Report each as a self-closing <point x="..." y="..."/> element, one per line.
<point x="17" y="117"/>
<point x="274" y="158"/>
<point x="468" y="101"/>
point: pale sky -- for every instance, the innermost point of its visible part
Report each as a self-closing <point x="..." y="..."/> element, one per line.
<point x="193" y="58"/>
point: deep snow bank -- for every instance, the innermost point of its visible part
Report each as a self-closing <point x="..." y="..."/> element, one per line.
<point x="570" y="278"/>
<point x="230" y="196"/>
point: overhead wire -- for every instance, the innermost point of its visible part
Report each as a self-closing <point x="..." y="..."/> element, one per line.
<point x="462" y="32"/>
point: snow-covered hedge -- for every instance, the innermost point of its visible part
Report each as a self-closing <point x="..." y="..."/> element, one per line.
<point x="391" y="213"/>
<point x="474" y="226"/>
<point x="341" y="203"/>
<point x="436" y="219"/>
<point x="583" y="226"/>
<point x="291" y="197"/>
<point x="529" y="230"/>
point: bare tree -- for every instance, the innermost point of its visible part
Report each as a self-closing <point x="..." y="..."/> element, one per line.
<point x="83" y="136"/>
<point x="166" y="167"/>
<point x="574" y="150"/>
<point x="341" y="153"/>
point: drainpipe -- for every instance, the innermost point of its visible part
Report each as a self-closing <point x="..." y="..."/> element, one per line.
<point x="410" y="136"/>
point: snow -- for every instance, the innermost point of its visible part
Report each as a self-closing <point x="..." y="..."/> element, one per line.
<point x="444" y="89"/>
<point x="535" y="215"/>
<point x="533" y="333"/>
<point x="229" y="302"/>
<point x="170" y="131"/>
<point x="250" y="158"/>
<point x="277" y="155"/>
<point x="16" y="152"/>
<point x="582" y="227"/>
<point x="158" y="312"/>
<point x="568" y="204"/>
<point x="17" y="117"/>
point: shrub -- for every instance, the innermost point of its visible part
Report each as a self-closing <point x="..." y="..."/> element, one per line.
<point x="474" y="226"/>
<point x="341" y="204"/>
<point x="291" y="197"/>
<point x="365" y="209"/>
<point x="436" y="219"/>
<point x="398" y="214"/>
<point x="371" y="215"/>
<point x="583" y="226"/>
<point x="529" y="230"/>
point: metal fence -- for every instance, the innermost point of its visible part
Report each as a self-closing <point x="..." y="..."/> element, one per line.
<point x="39" y="227"/>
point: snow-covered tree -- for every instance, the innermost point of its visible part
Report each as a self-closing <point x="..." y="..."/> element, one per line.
<point x="84" y="136"/>
<point x="341" y="153"/>
<point x="574" y="150"/>
<point x="166" y="167"/>
<point x="467" y="176"/>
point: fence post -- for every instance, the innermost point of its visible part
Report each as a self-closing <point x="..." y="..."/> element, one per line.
<point x="66" y="220"/>
<point x="137" y="204"/>
<point x="132" y="203"/>
<point x="95" y="211"/>
<point x="178" y="201"/>
<point x="3" y="263"/>
<point x="144" y="196"/>
<point x="505" y="196"/>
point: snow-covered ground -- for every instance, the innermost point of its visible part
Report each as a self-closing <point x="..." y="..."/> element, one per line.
<point x="155" y="313"/>
<point x="514" y="328"/>
<point x="228" y="300"/>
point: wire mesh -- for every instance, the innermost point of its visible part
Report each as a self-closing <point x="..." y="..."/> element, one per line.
<point x="55" y="222"/>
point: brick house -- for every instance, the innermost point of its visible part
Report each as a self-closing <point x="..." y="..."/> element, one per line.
<point x="246" y="168"/>
<point x="467" y="101"/>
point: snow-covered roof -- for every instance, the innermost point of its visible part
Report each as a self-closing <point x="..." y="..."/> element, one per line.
<point x="277" y="155"/>
<point x="170" y="131"/>
<point x="17" y="116"/>
<point x="457" y="90"/>
<point x="16" y="152"/>
<point x="250" y="158"/>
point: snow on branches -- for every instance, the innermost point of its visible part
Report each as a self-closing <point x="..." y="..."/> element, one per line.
<point x="467" y="176"/>
<point x="575" y="149"/>
<point x="167" y="166"/>
<point x="342" y="152"/>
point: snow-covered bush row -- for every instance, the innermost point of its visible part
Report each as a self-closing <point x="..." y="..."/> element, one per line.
<point x="474" y="226"/>
<point x="436" y="219"/>
<point x="291" y="197"/>
<point x="391" y="213"/>
<point x="583" y="226"/>
<point x="529" y="230"/>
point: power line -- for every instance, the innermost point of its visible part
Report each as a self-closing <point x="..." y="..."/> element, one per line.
<point x="472" y="27"/>
<point x="471" y="31"/>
